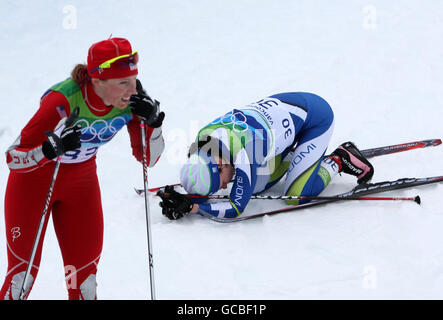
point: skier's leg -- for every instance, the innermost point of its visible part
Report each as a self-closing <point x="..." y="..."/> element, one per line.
<point x="310" y="172"/>
<point x="24" y="201"/>
<point x="78" y="223"/>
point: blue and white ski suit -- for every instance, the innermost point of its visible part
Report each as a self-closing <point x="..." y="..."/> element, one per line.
<point x="260" y="139"/>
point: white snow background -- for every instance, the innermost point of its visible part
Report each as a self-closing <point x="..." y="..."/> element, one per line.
<point x="378" y="63"/>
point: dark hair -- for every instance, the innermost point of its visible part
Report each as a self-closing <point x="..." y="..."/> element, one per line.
<point x="195" y="146"/>
<point x="80" y="74"/>
<point x="212" y="146"/>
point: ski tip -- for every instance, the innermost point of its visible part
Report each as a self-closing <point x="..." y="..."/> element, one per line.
<point x="417" y="199"/>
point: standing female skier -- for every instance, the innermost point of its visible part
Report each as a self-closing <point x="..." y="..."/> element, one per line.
<point x="104" y="90"/>
<point x="255" y="146"/>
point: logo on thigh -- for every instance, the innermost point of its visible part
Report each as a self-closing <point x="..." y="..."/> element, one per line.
<point x="15" y="233"/>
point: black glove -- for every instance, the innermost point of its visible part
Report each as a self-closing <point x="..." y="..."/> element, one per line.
<point x="145" y="107"/>
<point x="57" y="146"/>
<point x="174" y="205"/>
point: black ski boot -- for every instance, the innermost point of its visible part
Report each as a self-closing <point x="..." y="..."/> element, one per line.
<point x="351" y="161"/>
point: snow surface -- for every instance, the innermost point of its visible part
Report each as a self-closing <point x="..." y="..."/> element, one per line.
<point x="378" y="63"/>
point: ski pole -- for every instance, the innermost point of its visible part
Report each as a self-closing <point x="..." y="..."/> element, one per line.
<point x="148" y="223"/>
<point x="371" y="188"/>
<point x="415" y="199"/>
<point x="140" y="90"/>
<point x="68" y="123"/>
<point x="39" y="230"/>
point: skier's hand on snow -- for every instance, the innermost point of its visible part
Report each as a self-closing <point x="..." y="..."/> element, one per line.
<point x="147" y="108"/>
<point x="174" y="205"/>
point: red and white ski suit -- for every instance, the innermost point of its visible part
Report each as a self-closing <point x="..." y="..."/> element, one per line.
<point x="76" y="203"/>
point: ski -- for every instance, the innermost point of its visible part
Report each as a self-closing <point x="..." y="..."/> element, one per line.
<point x="360" y="190"/>
<point x="141" y="191"/>
<point x="368" y="153"/>
<point x="380" y="151"/>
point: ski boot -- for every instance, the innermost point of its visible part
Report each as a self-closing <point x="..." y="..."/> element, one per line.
<point x="351" y="161"/>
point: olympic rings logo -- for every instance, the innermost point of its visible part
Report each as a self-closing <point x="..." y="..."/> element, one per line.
<point x="100" y="130"/>
<point x="237" y="119"/>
